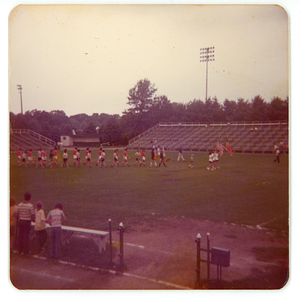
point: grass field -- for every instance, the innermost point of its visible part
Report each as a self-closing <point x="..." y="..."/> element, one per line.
<point x="247" y="189"/>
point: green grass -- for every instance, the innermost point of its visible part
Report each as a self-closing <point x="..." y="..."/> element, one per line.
<point x="247" y="189"/>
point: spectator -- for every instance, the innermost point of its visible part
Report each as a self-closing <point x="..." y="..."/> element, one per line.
<point x="13" y="222"/>
<point x="26" y="215"/>
<point x="40" y="226"/>
<point x="54" y="218"/>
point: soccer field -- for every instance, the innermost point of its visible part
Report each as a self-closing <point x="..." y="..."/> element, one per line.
<point x="246" y="190"/>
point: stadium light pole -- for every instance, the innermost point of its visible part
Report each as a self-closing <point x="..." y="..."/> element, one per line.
<point x="207" y="55"/>
<point x="20" y="89"/>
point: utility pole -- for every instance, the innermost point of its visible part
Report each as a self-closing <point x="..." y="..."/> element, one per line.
<point x="20" y="89"/>
<point x="206" y="55"/>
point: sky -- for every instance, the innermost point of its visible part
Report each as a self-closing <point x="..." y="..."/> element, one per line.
<point x="85" y="59"/>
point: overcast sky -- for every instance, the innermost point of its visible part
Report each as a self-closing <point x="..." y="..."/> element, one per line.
<point x="85" y="59"/>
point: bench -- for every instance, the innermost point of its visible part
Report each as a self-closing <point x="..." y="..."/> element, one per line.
<point x="99" y="237"/>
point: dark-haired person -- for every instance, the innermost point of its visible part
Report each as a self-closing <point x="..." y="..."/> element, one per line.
<point x="26" y="215"/>
<point x="54" y="219"/>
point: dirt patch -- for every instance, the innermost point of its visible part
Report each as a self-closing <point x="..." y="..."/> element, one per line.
<point x="162" y="253"/>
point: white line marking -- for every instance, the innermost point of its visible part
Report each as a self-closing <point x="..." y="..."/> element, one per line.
<point x="124" y="273"/>
<point x="259" y="226"/>
<point x="43" y="274"/>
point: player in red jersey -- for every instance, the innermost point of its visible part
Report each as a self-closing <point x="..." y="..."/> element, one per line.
<point x="99" y="156"/>
<point x="44" y="157"/>
<point x="115" y="159"/>
<point x="125" y="158"/>
<point x="86" y="155"/>
<point x="19" y="156"/>
<point x="55" y="158"/>
<point x="143" y="158"/>
<point x="30" y="157"/>
<point x="75" y="156"/>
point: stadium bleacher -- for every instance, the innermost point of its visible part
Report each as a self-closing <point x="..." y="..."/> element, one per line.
<point x="244" y="137"/>
<point x="27" y="139"/>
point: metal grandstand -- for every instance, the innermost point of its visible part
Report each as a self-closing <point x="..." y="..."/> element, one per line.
<point x="28" y="139"/>
<point x="244" y="137"/>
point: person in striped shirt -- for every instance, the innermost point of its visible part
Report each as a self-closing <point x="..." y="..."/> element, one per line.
<point x="54" y="219"/>
<point x="26" y="215"/>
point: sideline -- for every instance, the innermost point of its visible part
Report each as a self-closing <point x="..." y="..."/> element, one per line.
<point x="117" y="273"/>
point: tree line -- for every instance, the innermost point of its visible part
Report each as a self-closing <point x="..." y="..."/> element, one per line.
<point x="146" y="109"/>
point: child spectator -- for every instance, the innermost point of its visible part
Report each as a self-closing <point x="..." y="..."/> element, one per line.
<point x="40" y="226"/>
<point x="26" y="215"/>
<point x="13" y="222"/>
<point x="54" y="218"/>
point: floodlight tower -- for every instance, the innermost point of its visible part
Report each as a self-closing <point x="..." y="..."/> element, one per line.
<point x="20" y="89"/>
<point x="206" y="55"/>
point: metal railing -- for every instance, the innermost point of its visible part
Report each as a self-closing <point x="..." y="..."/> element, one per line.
<point x="33" y="134"/>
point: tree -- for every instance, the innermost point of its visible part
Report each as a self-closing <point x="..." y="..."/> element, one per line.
<point x="230" y="110"/>
<point x="140" y="97"/>
<point x="141" y="100"/>
<point x="259" y="109"/>
<point x="278" y="109"/>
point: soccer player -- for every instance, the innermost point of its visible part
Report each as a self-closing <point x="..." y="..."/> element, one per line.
<point x="78" y="158"/>
<point x="51" y="155"/>
<point x="30" y="157"/>
<point x="89" y="159"/>
<point x="19" y="156"/>
<point x="191" y="161"/>
<point x="99" y="156"/>
<point x="162" y="155"/>
<point x="153" y="157"/>
<point x="75" y="157"/>
<point x="44" y="158"/>
<point x="55" y="158"/>
<point x="143" y="158"/>
<point x="211" y="161"/>
<point x="115" y="159"/>
<point x="24" y="159"/>
<point x="86" y="153"/>
<point x="137" y="158"/>
<point x="216" y="160"/>
<point x="125" y="158"/>
<point x="39" y="157"/>
<point x="65" y="159"/>
<point x="103" y="159"/>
